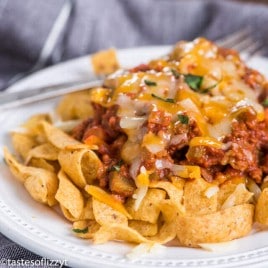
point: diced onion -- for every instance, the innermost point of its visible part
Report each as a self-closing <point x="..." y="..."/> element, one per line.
<point x="145" y="249"/>
<point x="220" y="247"/>
<point x="20" y="130"/>
<point x="246" y="102"/>
<point x="153" y="143"/>
<point x="211" y="191"/>
<point x="163" y="163"/>
<point x="231" y="199"/>
<point x="155" y="148"/>
<point x="186" y="171"/>
<point x="229" y="202"/>
<point x="220" y="130"/>
<point x="67" y="125"/>
<point x="177" y="139"/>
<point x="254" y="188"/>
<point x="131" y="122"/>
<point x="139" y="195"/>
<point x="134" y="168"/>
<point x="189" y="105"/>
<point x="126" y="106"/>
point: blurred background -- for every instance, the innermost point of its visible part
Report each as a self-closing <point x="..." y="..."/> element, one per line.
<point x="35" y="33"/>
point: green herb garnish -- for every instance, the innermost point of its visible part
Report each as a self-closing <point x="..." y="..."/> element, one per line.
<point x="193" y="81"/>
<point x="175" y="73"/>
<point x="265" y="102"/>
<point x="117" y="166"/>
<point x="184" y="119"/>
<point x="162" y="99"/>
<point x="150" y="83"/>
<point x="206" y="90"/>
<point x="81" y="231"/>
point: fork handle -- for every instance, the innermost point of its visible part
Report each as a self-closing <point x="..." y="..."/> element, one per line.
<point x="10" y="100"/>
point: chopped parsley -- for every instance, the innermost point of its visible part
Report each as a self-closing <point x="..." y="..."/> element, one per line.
<point x="193" y="81"/>
<point x="265" y="102"/>
<point x="175" y="73"/>
<point x="184" y="119"/>
<point x="81" y="231"/>
<point x="206" y="90"/>
<point x="162" y="99"/>
<point x="117" y="166"/>
<point x="150" y="83"/>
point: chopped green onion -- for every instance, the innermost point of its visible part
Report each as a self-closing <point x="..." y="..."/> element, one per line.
<point x="175" y="73"/>
<point x="184" y="119"/>
<point x="150" y="83"/>
<point x="117" y="166"/>
<point x="206" y="90"/>
<point x="81" y="231"/>
<point x="193" y="81"/>
<point x="265" y="102"/>
<point x="162" y="99"/>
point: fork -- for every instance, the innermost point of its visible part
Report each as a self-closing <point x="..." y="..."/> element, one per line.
<point x="241" y="40"/>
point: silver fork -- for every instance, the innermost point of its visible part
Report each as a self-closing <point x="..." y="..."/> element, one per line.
<point x="244" y="42"/>
<point x="241" y="40"/>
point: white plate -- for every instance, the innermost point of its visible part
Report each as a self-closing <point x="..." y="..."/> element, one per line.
<point x="44" y="232"/>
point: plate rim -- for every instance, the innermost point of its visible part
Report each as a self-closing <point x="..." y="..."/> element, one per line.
<point x="255" y="256"/>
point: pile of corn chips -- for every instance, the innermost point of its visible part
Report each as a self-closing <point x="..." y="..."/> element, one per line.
<point x="58" y="170"/>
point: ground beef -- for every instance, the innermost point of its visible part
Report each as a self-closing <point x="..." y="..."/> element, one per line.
<point x="247" y="139"/>
<point x="158" y="121"/>
<point x="110" y="122"/>
<point x="140" y="68"/>
<point x="254" y="79"/>
<point x="79" y="130"/>
<point x="205" y="156"/>
<point x="209" y="174"/>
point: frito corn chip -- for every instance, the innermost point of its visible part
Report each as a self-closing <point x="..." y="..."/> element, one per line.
<point x="165" y="234"/>
<point x="19" y="171"/>
<point x="34" y="124"/>
<point x="42" y="187"/>
<point x="169" y="211"/>
<point x="87" y="213"/>
<point x="82" y="165"/>
<point x="23" y="143"/>
<point x="45" y="151"/>
<point x="79" y="106"/>
<point x="173" y="192"/>
<point x="178" y="182"/>
<point x="68" y="215"/>
<point x="221" y="226"/>
<point x="42" y="163"/>
<point x="107" y="199"/>
<point x="143" y="227"/>
<point x="261" y="209"/>
<point x="85" y="228"/>
<point x="117" y="232"/>
<point x="240" y="196"/>
<point x="120" y="232"/>
<point x="40" y="183"/>
<point x="149" y="209"/>
<point x="57" y="137"/>
<point x="105" y="62"/>
<point x="227" y="188"/>
<point x="106" y="215"/>
<point x="69" y="196"/>
<point x="195" y="200"/>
